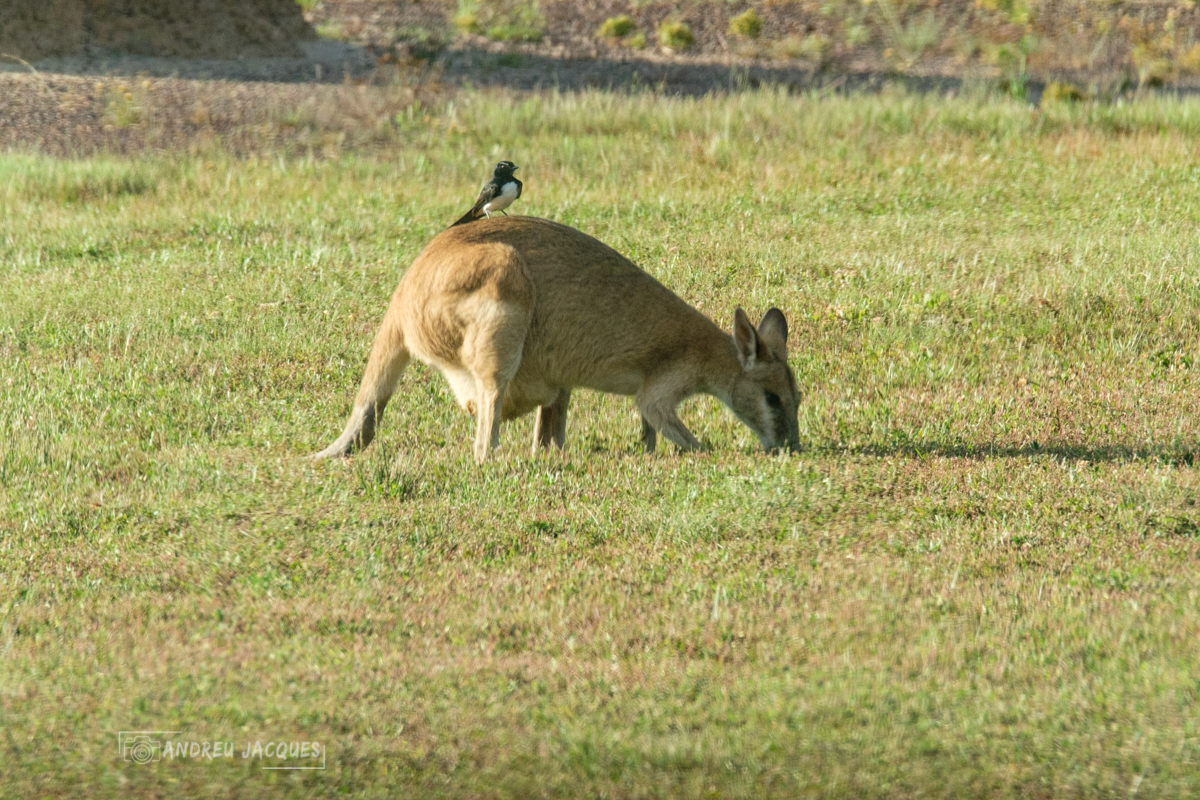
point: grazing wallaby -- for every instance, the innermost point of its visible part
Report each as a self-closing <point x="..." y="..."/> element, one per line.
<point x="517" y="311"/>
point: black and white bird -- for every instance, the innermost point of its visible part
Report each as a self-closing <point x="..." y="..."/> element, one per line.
<point x="496" y="195"/>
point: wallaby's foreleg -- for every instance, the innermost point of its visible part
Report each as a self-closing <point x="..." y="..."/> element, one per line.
<point x="551" y="425"/>
<point x="657" y="401"/>
<point x="649" y="436"/>
<point x="389" y="357"/>
<point x="663" y="418"/>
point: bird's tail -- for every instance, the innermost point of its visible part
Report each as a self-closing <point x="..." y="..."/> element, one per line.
<point x="470" y="216"/>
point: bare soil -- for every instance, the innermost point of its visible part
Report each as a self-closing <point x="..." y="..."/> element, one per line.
<point x="1104" y="45"/>
<point x="221" y="29"/>
<point x="331" y="94"/>
<point x="71" y="115"/>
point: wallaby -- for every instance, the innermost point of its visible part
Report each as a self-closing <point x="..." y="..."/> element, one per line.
<point x="517" y="312"/>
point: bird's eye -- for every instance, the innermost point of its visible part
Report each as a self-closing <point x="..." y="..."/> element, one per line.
<point x="773" y="400"/>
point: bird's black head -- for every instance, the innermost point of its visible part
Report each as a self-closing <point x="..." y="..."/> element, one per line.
<point x="505" y="169"/>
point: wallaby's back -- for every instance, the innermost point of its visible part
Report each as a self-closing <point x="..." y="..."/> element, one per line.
<point x="597" y="317"/>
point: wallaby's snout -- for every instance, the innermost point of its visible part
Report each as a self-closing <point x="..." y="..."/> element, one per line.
<point x="791" y="447"/>
<point x="790" y="444"/>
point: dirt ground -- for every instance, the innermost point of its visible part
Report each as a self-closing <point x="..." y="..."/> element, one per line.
<point x="72" y="115"/>
<point x="1103" y="48"/>
<point x="377" y="58"/>
<point x="1084" y="42"/>
<point x="221" y="29"/>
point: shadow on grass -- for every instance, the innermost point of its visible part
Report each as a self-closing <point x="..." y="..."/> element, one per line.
<point x="335" y="62"/>
<point x="1168" y="455"/>
<point x="527" y="72"/>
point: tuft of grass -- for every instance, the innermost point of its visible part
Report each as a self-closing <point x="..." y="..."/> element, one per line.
<point x="1012" y="60"/>
<point x="467" y="23"/>
<point x="502" y="21"/>
<point x="68" y="183"/>
<point x="333" y="30"/>
<point x="422" y="43"/>
<point x="122" y="109"/>
<point x="908" y="38"/>
<point x="466" y="18"/>
<point x="992" y="321"/>
<point x="675" y="35"/>
<point x="1189" y="60"/>
<point x="616" y="27"/>
<point x="514" y="33"/>
<point x="815" y="47"/>
<point x="748" y="24"/>
<point x="1058" y="92"/>
<point x="858" y="34"/>
<point x="1017" y="11"/>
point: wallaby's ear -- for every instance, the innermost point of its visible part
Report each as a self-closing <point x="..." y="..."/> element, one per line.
<point x="772" y="330"/>
<point x="746" y="339"/>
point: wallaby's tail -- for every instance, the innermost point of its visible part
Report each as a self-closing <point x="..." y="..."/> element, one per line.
<point x="389" y="357"/>
<point x="470" y="216"/>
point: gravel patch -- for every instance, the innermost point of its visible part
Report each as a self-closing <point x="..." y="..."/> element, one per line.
<point x="72" y="115"/>
<point x="323" y="61"/>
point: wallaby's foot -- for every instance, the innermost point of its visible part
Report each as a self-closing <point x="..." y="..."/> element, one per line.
<point x="649" y="436"/>
<point x="487" y="429"/>
<point x="661" y="416"/>
<point x="360" y="430"/>
<point x="550" y="428"/>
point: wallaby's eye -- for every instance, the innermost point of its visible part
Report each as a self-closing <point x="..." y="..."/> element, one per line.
<point x="773" y="400"/>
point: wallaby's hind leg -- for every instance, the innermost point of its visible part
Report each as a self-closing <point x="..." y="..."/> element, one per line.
<point x="487" y="427"/>
<point x="551" y="425"/>
<point x="389" y="357"/>
<point x="492" y="351"/>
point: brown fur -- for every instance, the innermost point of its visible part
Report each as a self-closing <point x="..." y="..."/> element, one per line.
<point x="517" y="312"/>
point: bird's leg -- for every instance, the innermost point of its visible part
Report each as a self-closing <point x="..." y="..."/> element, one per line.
<point x="505" y="213"/>
<point x="486" y="214"/>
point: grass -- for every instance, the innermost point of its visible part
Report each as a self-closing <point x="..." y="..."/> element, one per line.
<point x="506" y="21"/>
<point x="617" y="27"/>
<point x="748" y="24"/>
<point x="333" y="30"/>
<point x="978" y="579"/>
<point x="675" y="35"/>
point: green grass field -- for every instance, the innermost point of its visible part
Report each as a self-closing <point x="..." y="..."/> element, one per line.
<point x="979" y="578"/>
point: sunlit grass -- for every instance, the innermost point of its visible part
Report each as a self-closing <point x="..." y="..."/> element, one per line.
<point x="977" y="580"/>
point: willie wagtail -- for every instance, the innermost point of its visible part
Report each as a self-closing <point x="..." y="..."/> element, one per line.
<point x="496" y="195"/>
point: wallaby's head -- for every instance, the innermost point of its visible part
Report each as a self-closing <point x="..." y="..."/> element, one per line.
<point x="765" y="396"/>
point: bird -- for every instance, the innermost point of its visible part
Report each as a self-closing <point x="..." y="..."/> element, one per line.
<point x="496" y="195"/>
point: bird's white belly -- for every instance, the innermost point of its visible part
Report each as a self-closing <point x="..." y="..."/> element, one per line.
<point x="508" y="193"/>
